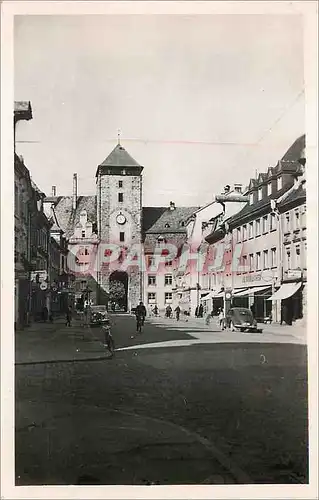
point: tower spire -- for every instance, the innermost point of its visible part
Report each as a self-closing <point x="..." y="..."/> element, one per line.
<point x="118" y="136"/>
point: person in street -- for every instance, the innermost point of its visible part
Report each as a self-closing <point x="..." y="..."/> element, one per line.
<point x="68" y="316"/>
<point x="283" y="316"/>
<point x="108" y="338"/>
<point x="200" y="311"/>
<point x="178" y="312"/>
<point x="168" y="311"/>
<point x="155" y="311"/>
<point x="45" y="314"/>
<point x="140" y="313"/>
<point x="221" y="319"/>
<point x="253" y="309"/>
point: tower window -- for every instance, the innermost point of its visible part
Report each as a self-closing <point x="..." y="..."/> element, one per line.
<point x="120" y="184"/>
<point x="83" y="234"/>
<point x="120" y="197"/>
<point x="122" y="236"/>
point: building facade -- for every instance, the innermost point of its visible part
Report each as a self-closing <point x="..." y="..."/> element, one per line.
<point x="109" y="230"/>
<point x="250" y="248"/>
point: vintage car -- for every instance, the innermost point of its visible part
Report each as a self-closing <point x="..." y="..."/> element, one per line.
<point x="99" y="315"/>
<point x="240" y="318"/>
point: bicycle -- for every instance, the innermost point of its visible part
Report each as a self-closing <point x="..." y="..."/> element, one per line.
<point x="109" y="341"/>
<point x="139" y="324"/>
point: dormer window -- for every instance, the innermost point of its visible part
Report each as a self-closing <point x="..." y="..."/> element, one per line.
<point x="182" y="223"/>
<point x="260" y="193"/>
<point x="251" y="198"/>
<point x="167" y="225"/>
<point x="269" y="189"/>
<point x="279" y="183"/>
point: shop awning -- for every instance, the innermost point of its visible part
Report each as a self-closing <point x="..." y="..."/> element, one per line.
<point x="249" y="291"/>
<point x="212" y="295"/>
<point x="240" y="292"/>
<point x="286" y="290"/>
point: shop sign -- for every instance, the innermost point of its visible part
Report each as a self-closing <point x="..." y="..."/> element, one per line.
<point x="251" y="278"/>
<point x="39" y="276"/>
<point x="294" y="274"/>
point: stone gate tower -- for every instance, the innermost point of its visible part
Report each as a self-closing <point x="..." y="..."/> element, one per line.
<point x="119" y="215"/>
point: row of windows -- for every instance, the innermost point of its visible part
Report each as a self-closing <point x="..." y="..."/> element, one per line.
<point x="295" y="219"/>
<point x="257" y="227"/>
<point x="151" y="298"/>
<point x="260" y="260"/>
<point x="151" y="261"/>
<point x="269" y="190"/>
<point x="168" y="279"/>
<point x="293" y="257"/>
<point x="292" y="221"/>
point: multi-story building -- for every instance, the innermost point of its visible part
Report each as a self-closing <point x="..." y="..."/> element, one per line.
<point x="164" y="227"/>
<point x="40" y="257"/>
<point x="248" y="247"/>
<point x="194" y="281"/>
<point x="104" y="229"/>
<point x="24" y="206"/>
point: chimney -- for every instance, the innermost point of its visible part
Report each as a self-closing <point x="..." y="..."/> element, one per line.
<point x="75" y="191"/>
<point x="238" y="188"/>
<point x="171" y="205"/>
<point x="53" y="191"/>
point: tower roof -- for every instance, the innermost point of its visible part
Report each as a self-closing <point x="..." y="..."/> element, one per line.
<point x="119" y="157"/>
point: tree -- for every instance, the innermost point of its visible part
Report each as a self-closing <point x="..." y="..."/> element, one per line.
<point x="117" y="291"/>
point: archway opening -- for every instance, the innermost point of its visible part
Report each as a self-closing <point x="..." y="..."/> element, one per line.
<point x="118" y="291"/>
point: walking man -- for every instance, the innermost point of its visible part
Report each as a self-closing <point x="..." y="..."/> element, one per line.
<point x="68" y="316"/>
<point x="178" y="312"/>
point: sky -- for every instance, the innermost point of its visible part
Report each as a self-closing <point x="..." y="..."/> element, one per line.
<point x="201" y="101"/>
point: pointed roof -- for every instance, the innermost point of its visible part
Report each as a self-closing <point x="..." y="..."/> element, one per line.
<point x="119" y="157"/>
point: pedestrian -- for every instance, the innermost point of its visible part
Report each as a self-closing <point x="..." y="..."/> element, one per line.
<point x="45" y="314"/>
<point x="168" y="311"/>
<point x="178" y="312"/>
<point x="221" y="319"/>
<point x="253" y="309"/>
<point x="68" y="316"/>
<point x="196" y="312"/>
<point x="200" y="311"/>
<point x="155" y="310"/>
<point x="283" y="316"/>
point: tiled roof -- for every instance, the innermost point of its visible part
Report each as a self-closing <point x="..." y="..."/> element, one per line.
<point x="162" y="220"/>
<point x="176" y="239"/>
<point x="156" y="220"/>
<point x="68" y="219"/>
<point x="295" y="151"/>
<point x="296" y="194"/>
<point x="119" y="158"/>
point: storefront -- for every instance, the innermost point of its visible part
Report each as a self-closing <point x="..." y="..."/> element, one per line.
<point x="290" y="295"/>
<point x="256" y="299"/>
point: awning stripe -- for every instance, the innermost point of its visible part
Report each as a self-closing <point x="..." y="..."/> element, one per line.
<point x="286" y="290"/>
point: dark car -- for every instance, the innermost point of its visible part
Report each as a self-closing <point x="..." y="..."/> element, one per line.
<point x="99" y="315"/>
<point x="240" y="318"/>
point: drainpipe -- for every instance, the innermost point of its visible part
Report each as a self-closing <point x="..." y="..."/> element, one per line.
<point x="75" y="191"/>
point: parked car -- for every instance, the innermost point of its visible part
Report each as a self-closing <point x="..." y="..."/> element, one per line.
<point x="240" y="318"/>
<point x="99" y="315"/>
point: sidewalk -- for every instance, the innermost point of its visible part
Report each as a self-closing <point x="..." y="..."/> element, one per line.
<point x="46" y="342"/>
<point x="298" y="331"/>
